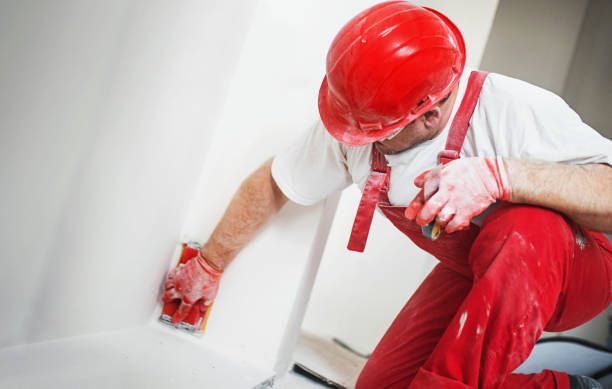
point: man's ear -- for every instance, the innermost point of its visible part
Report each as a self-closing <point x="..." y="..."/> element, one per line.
<point x="433" y="117"/>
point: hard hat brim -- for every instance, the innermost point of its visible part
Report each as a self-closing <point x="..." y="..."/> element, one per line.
<point x="345" y="131"/>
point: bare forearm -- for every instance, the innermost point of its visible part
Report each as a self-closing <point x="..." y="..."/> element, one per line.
<point x="584" y="193"/>
<point x="257" y="199"/>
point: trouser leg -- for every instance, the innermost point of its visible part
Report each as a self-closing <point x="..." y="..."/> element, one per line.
<point x="524" y="265"/>
<point x="415" y="331"/>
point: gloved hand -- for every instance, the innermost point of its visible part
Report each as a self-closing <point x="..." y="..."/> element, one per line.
<point x="458" y="191"/>
<point x="193" y="282"/>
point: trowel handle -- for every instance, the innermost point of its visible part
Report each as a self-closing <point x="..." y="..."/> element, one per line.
<point x="432" y="230"/>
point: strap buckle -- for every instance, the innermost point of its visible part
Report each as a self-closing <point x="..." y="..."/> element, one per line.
<point x="445" y="156"/>
<point x="385" y="186"/>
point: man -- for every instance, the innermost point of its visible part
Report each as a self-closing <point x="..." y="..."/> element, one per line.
<point x="516" y="180"/>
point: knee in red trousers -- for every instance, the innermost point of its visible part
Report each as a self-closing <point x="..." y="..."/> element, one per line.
<point x="531" y="230"/>
<point x="582" y="259"/>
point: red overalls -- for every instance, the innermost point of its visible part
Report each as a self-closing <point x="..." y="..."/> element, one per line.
<point x="478" y="314"/>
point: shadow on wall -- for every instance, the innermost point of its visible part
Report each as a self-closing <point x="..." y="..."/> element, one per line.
<point x="569" y="40"/>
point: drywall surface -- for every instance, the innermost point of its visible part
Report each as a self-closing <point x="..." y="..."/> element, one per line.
<point x="116" y="115"/>
<point x="534" y="40"/>
<point x="131" y="358"/>
<point x="356" y="296"/>
<point x="107" y="113"/>
<point x="588" y="88"/>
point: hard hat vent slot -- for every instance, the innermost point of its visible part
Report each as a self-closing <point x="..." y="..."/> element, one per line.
<point x="370" y="126"/>
<point x="419" y="104"/>
<point x="426" y="99"/>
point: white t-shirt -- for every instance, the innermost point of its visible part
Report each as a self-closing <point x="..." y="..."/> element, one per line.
<point x="511" y="119"/>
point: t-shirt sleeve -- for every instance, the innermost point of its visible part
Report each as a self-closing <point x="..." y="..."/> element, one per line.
<point x="538" y="125"/>
<point x="311" y="168"/>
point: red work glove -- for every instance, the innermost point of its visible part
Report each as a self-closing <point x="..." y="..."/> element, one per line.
<point x="458" y="191"/>
<point x="194" y="282"/>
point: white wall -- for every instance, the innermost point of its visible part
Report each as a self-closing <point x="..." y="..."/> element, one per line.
<point x="107" y="111"/>
<point x="356" y="296"/>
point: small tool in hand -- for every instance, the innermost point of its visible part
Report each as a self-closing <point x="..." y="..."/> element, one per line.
<point x="432" y="230"/>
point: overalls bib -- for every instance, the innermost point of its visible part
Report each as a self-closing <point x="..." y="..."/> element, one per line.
<point x="448" y="247"/>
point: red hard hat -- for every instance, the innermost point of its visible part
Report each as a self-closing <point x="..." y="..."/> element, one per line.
<point x="386" y="67"/>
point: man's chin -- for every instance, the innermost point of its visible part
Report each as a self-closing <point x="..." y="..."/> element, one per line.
<point x="383" y="149"/>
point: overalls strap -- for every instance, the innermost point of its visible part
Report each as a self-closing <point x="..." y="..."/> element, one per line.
<point x="460" y="124"/>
